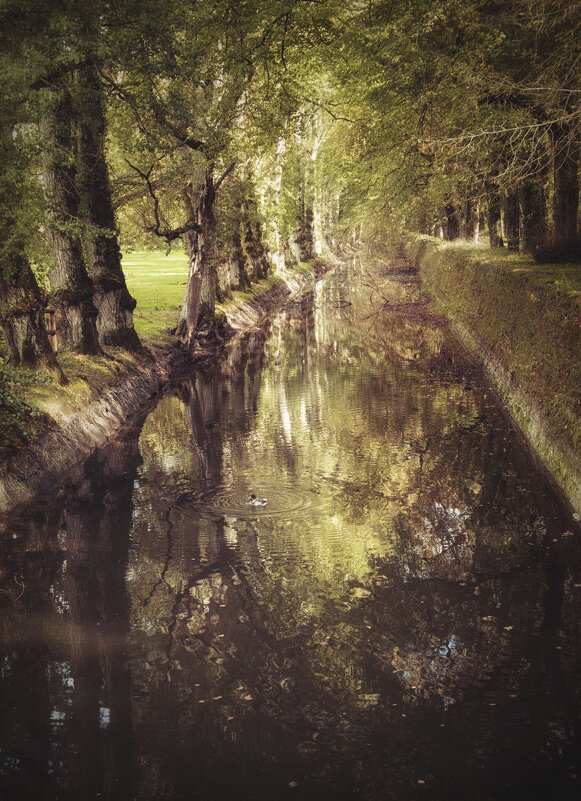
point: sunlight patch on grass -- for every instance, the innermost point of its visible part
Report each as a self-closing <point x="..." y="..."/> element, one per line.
<point x="158" y="284"/>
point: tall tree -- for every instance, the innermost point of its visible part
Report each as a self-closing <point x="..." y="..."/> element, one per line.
<point x="72" y="288"/>
<point x="111" y="296"/>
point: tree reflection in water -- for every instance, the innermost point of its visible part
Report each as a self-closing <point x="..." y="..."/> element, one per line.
<point x="401" y="620"/>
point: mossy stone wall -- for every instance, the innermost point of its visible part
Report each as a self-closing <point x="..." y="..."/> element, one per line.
<point x="526" y="332"/>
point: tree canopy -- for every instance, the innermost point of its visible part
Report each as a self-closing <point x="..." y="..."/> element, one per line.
<point x="264" y="131"/>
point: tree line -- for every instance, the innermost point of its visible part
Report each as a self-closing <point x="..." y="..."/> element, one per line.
<point x="265" y="131"/>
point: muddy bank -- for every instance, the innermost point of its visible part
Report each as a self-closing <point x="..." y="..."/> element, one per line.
<point x="41" y="466"/>
<point x="526" y="335"/>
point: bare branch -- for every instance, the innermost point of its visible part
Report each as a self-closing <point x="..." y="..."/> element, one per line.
<point x="169" y="234"/>
<point x="224" y="175"/>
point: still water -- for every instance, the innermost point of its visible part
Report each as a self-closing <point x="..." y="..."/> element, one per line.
<point x="400" y="620"/>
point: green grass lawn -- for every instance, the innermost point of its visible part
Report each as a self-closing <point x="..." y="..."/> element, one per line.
<point x="158" y="283"/>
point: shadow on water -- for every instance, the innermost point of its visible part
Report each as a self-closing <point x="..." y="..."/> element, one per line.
<point x="400" y="620"/>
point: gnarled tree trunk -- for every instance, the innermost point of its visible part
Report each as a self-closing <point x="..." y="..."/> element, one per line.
<point x="71" y="285"/>
<point x="200" y="297"/>
<point x="21" y="301"/>
<point x="111" y="296"/>
<point x="22" y="318"/>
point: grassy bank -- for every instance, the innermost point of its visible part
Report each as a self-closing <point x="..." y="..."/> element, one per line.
<point x="30" y="402"/>
<point x="523" y="320"/>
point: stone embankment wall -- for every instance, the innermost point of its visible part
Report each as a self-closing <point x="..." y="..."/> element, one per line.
<point x="526" y="333"/>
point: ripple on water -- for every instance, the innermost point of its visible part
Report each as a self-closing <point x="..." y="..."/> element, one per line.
<point x="283" y="499"/>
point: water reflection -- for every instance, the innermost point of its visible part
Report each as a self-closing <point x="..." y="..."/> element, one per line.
<point x="400" y="620"/>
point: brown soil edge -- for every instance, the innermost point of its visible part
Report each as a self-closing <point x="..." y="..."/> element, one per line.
<point x="42" y="465"/>
<point x="559" y="459"/>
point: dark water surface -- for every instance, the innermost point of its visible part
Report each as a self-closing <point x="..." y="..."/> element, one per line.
<point x="400" y="621"/>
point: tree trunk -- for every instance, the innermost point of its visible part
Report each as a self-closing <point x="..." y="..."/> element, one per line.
<point x="534" y="215"/>
<point x="237" y="253"/>
<point x="253" y="234"/>
<point x="112" y="299"/>
<point x="493" y="215"/>
<point x="22" y="318"/>
<point x="511" y="214"/>
<point x="305" y="233"/>
<point x="470" y="221"/>
<point x="200" y="297"/>
<point x="566" y="146"/>
<point x="21" y="302"/>
<point x="451" y="222"/>
<point x="71" y="285"/>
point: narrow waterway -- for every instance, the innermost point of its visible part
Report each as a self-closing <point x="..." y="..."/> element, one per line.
<point x="401" y="619"/>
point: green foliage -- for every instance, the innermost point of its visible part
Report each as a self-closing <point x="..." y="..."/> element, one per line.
<point x="19" y="420"/>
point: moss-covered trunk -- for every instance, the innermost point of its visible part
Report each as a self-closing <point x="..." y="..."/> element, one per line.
<point x="200" y="298"/>
<point x="112" y="299"/>
<point x="69" y="280"/>
<point x="22" y="318"/>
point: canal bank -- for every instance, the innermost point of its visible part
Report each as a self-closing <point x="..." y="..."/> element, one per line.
<point x="75" y="430"/>
<point x="522" y="321"/>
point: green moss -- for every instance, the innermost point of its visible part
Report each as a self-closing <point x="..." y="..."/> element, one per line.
<point x="20" y="420"/>
<point x="527" y="315"/>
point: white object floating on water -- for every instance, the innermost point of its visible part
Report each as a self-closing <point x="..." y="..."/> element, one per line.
<point x="254" y="501"/>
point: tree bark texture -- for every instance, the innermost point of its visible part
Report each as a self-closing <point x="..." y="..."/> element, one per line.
<point x="494" y="214"/>
<point x="566" y="148"/>
<point x="253" y="244"/>
<point x="511" y="214"/>
<point x="451" y="222"/>
<point x="70" y="283"/>
<point x="470" y="225"/>
<point x="112" y="299"/>
<point x="22" y="318"/>
<point x="533" y="206"/>
<point x="200" y="297"/>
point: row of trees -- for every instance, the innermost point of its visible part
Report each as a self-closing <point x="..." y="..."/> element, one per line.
<point x="286" y="126"/>
<point x="467" y="115"/>
<point x="141" y="112"/>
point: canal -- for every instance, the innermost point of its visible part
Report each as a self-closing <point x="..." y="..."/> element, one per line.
<point x="399" y="619"/>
